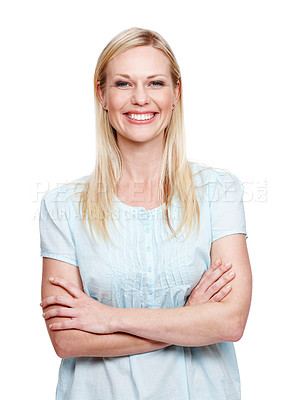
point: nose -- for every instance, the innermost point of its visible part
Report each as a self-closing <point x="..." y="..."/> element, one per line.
<point x="140" y="95"/>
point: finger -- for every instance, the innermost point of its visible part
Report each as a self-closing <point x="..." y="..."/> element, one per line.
<point x="68" y="286"/>
<point x="220" y="283"/>
<point x="56" y="326"/>
<point x="60" y="312"/>
<point x="221" y="294"/>
<point x="60" y="300"/>
<point x="215" y="265"/>
<point x="208" y="274"/>
<point x="216" y="274"/>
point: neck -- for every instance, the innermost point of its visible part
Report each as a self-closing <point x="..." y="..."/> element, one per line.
<point x="141" y="161"/>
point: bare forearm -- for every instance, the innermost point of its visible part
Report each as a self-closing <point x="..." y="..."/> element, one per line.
<point x="77" y="343"/>
<point x="198" y="325"/>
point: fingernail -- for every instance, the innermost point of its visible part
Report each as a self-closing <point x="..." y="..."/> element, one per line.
<point x="232" y="273"/>
<point x="43" y="314"/>
<point x="51" y="279"/>
<point x="228" y="265"/>
<point x="228" y="286"/>
<point x="218" y="262"/>
<point x="50" y="326"/>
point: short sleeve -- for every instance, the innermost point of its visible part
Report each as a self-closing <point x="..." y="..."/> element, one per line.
<point x="56" y="238"/>
<point x="226" y="206"/>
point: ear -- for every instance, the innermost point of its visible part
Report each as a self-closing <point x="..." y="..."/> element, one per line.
<point x="101" y="96"/>
<point x="177" y="92"/>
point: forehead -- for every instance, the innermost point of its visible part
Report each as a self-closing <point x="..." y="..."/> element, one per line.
<point x="140" y="60"/>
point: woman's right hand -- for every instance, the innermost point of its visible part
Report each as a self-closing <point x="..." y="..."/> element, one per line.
<point x="213" y="285"/>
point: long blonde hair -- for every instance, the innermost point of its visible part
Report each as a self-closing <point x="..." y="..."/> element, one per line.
<point x="96" y="198"/>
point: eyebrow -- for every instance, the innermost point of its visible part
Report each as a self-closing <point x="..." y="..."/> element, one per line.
<point x="148" y="77"/>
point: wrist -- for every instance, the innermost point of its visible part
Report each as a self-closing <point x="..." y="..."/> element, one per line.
<point x="117" y="319"/>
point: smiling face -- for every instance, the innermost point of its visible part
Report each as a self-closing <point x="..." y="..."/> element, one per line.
<point x="139" y="93"/>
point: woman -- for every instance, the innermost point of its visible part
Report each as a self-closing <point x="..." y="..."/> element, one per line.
<point x="131" y="303"/>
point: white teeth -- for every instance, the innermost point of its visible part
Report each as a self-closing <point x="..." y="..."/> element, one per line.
<point x="140" y="117"/>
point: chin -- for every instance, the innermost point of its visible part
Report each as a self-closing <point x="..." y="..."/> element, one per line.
<point x="142" y="137"/>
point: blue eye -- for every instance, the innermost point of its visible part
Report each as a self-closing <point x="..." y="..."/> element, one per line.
<point x="121" y="84"/>
<point x="157" y="83"/>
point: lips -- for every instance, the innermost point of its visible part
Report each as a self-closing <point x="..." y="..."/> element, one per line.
<point x="140" y="117"/>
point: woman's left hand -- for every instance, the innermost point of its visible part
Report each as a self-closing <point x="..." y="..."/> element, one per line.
<point x="85" y="313"/>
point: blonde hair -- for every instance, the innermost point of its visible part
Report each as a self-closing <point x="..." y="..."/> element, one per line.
<point x="96" y="198"/>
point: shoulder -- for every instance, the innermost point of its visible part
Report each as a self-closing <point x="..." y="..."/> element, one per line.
<point x="205" y="174"/>
<point x="65" y="193"/>
<point x="216" y="184"/>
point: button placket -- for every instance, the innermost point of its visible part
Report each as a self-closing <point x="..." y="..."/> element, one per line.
<point x="149" y="254"/>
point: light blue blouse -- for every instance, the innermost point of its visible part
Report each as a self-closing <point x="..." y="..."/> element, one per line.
<point x="145" y="269"/>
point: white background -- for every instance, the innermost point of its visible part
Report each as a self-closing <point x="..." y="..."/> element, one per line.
<point x="240" y="67"/>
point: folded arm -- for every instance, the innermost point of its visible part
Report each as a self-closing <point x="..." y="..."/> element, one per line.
<point x="213" y="287"/>
<point x="77" y="343"/>
<point x="201" y="324"/>
<point x="198" y="325"/>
